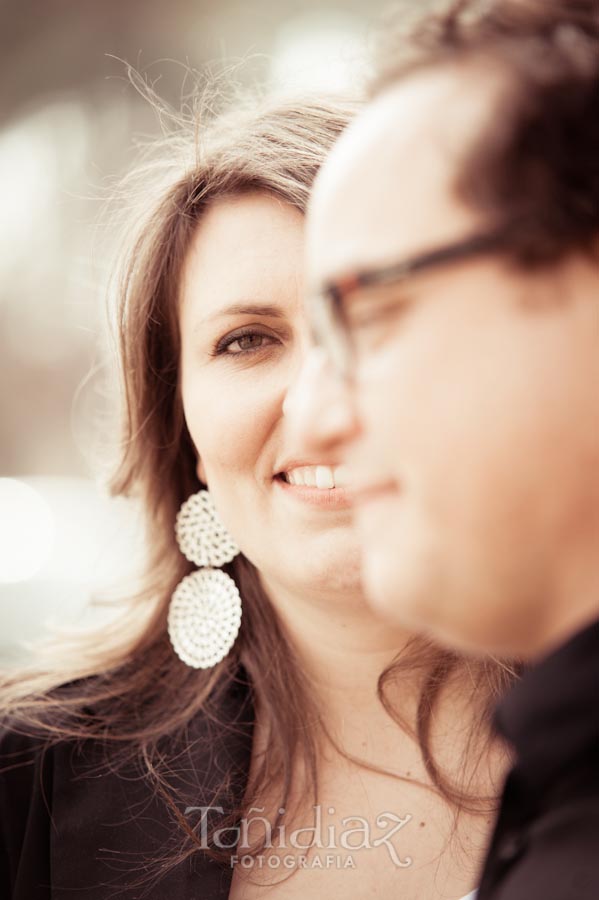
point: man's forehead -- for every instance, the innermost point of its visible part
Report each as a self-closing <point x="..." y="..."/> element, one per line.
<point x="386" y="188"/>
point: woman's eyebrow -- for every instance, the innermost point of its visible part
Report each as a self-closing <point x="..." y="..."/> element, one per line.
<point x="245" y="309"/>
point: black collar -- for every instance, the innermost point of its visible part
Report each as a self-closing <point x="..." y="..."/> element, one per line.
<point x="551" y="716"/>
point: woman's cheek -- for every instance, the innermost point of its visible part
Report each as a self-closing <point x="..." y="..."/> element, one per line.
<point x="229" y="423"/>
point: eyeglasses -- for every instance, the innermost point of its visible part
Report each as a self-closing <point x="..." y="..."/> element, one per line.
<point x="334" y="328"/>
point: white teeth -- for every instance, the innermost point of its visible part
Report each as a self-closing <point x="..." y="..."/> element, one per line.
<point x="300" y="476"/>
<point x="324" y="477"/>
<point x="310" y="476"/>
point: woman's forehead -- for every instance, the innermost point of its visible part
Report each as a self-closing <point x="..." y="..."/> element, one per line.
<point x="246" y="250"/>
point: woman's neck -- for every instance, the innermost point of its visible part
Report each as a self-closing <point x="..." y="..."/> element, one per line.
<point x="342" y="646"/>
<point x="343" y="649"/>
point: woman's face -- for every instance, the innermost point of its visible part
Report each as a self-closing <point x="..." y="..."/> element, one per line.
<point x="243" y="339"/>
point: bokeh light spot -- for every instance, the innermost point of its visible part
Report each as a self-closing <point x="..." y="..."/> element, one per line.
<point x="27" y="531"/>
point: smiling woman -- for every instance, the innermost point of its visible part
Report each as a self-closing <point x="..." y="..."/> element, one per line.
<point x="237" y="359"/>
<point x="226" y="733"/>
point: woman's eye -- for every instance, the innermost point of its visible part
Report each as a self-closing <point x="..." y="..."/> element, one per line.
<point x="250" y="342"/>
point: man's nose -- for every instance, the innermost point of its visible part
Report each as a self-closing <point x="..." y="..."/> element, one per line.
<point x="319" y="408"/>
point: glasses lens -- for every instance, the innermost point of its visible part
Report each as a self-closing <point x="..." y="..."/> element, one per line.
<point x="329" y="332"/>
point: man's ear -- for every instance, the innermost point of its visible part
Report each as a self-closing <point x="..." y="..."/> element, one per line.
<point x="201" y="472"/>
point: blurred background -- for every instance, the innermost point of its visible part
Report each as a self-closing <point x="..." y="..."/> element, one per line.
<point x="69" y="119"/>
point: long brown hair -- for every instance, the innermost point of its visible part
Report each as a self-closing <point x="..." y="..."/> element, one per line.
<point x="125" y="686"/>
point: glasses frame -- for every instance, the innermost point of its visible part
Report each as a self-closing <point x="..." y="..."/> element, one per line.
<point x="330" y="325"/>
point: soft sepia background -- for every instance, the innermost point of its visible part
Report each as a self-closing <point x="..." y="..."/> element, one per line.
<point x="69" y="122"/>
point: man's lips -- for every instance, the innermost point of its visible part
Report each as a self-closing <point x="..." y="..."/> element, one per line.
<point x="362" y="493"/>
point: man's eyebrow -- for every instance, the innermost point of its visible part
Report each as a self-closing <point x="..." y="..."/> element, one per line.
<point x="244" y="309"/>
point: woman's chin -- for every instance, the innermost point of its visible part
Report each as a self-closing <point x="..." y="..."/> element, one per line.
<point x="323" y="567"/>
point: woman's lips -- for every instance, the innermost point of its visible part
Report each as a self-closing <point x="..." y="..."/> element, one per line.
<point x="324" y="498"/>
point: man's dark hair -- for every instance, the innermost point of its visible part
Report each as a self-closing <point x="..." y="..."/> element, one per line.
<point x="536" y="160"/>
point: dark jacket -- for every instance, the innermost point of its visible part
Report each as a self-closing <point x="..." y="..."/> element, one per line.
<point x="546" y="841"/>
<point x="71" y="829"/>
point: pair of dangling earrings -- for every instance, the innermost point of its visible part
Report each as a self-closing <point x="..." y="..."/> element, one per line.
<point x="204" y="614"/>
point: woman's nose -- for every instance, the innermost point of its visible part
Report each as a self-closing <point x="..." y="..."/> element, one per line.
<point x="318" y="408"/>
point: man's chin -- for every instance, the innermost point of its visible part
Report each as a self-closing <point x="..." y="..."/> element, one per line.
<point x="385" y="587"/>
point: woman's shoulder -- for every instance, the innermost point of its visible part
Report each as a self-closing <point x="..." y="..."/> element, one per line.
<point x="58" y="810"/>
<point x="67" y="813"/>
<point x="25" y="815"/>
<point x="21" y="760"/>
<point x="28" y="754"/>
<point x="26" y="739"/>
<point x="15" y="744"/>
<point x="26" y="747"/>
<point x="38" y="756"/>
<point x="22" y="764"/>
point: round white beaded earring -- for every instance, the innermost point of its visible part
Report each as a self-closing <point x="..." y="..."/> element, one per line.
<point x="204" y="615"/>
